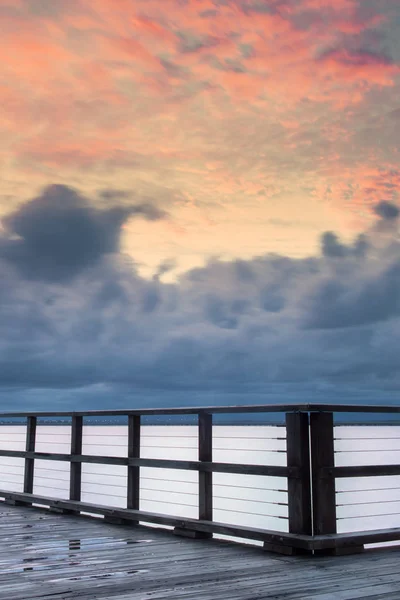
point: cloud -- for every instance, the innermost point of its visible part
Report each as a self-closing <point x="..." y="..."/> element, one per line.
<point x="332" y="247"/>
<point x="359" y="65"/>
<point x="123" y="66"/>
<point x="59" y="234"/>
<point x="272" y="322"/>
<point x="344" y="304"/>
<point x="99" y="92"/>
<point x="387" y="210"/>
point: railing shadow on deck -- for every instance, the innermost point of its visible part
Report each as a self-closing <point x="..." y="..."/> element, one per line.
<point x="312" y="501"/>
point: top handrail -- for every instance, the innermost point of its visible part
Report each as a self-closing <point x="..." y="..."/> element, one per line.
<point x="195" y="410"/>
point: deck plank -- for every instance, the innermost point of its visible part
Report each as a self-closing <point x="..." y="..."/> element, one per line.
<point x="58" y="557"/>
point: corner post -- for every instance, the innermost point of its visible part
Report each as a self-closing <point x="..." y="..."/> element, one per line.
<point x="76" y="467"/>
<point x="299" y="488"/>
<point x="205" y="477"/>
<point x="30" y="447"/>
<point x="133" y="490"/>
<point x="299" y="481"/>
<point x="323" y="481"/>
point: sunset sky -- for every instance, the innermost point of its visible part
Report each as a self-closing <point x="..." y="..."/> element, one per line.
<point x="199" y="201"/>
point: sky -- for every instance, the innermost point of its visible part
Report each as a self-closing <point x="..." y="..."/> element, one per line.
<point x="199" y="202"/>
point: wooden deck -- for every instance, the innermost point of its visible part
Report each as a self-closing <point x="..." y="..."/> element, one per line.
<point x="58" y="557"/>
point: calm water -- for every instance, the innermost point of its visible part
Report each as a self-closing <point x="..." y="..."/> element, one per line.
<point x="255" y="501"/>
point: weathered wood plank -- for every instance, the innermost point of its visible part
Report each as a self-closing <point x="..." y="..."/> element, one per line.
<point x="299" y="541"/>
<point x="81" y="559"/>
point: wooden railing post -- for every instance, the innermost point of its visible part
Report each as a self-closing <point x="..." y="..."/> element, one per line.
<point x="205" y="477"/>
<point x="133" y="491"/>
<point x="76" y="467"/>
<point x="299" y="488"/>
<point x="205" y="491"/>
<point x="299" y="484"/>
<point x="323" y="481"/>
<point x="30" y="447"/>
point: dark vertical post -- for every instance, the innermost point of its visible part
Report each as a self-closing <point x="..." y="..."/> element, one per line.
<point x="133" y="491"/>
<point x="299" y="488"/>
<point x="323" y="481"/>
<point x="30" y="447"/>
<point x="205" y="477"/>
<point x="299" y="482"/>
<point x="76" y="467"/>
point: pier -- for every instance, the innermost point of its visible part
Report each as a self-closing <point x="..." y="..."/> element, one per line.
<point x="60" y="557"/>
<point x="83" y="528"/>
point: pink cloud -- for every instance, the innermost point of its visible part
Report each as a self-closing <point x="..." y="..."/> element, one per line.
<point x="104" y="66"/>
<point x="360" y="66"/>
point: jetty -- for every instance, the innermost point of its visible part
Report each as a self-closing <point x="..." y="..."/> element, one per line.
<point x="331" y="470"/>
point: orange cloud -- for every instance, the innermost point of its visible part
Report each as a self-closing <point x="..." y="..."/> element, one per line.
<point x="137" y="68"/>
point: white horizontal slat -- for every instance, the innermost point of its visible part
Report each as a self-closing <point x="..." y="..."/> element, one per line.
<point x="12" y="444"/>
<point x="347" y="484"/>
<point x="104" y="470"/>
<point x="367" y="510"/>
<point x="169" y="442"/>
<point x="104" y="488"/>
<point x="256" y="445"/>
<point x="11" y="465"/>
<point x="167" y="508"/>
<point x="106" y="480"/>
<point x="176" y="432"/>
<point x="252" y="457"/>
<point x="242" y="493"/>
<point x="167" y="486"/>
<point x="250" y="520"/>
<point x="251" y="481"/>
<point x="352" y="459"/>
<point x="170" y="453"/>
<point x="366" y="431"/>
<point x="366" y="497"/>
<point x="250" y="507"/>
<point x="368" y="523"/>
<point x="367" y="445"/>
<point x="104" y="449"/>
<point x="169" y="474"/>
<point x="174" y="498"/>
<point x="103" y="499"/>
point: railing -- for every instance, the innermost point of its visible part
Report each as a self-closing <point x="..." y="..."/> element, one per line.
<point x="296" y="486"/>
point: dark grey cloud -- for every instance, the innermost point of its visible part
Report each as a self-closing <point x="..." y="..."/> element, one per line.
<point x="113" y="194"/>
<point x="337" y="304"/>
<point x="387" y="210"/>
<point x="272" y="298"/>
<point x="332" y="247"/>
<point x="244" y="271"/>
<point x="165" y="267"/>
<point x="220" y="313"/>
<point x="232" y="331"/>
<point x="59" y="234"/>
